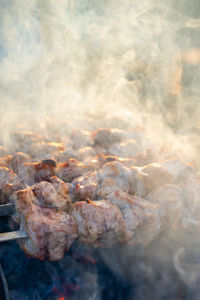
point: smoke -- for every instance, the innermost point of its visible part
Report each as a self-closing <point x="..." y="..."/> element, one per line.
<point x="59" y="58"/>
<point x="72" y="53"/>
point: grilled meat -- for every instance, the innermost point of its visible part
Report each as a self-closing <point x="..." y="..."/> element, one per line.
<point x="106" y="136"/>
<point x="85" y="186"/>
<point x="71" y="169"/>
<point x="135" y="191"/>
<point x="142" y="218"/>
<point x="100" y="223"/>
<point x="51" y="232"/>
<point x="50" y="195"/>
<point x="36" y="172"/>
<point x="147" y="178"/>
<point x="9" y="183"/>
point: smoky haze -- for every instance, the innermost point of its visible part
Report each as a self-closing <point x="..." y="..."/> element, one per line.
<point x="65" y="57"/>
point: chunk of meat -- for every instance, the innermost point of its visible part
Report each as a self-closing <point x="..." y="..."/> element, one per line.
<point x="5" y="161"/>
<point x="71" y="169"/>
<point x="141" y="217"/>
<point x="128" y="162"/>
<point x="44" y="150"/>
<point x="9" y="183"/>
<point x="79" y="139"/>
<point x="169" y="200"/>
<point x="85" y="186"/>
<point x="127" y="148"/>
<point x="100" y="223"/>
<point x="36" y="172"/>
<point x="91" y="163"/>
<point x="108" y="136"/>
<point x="18" y="160"/>
<point x="60" y="187"/>
<point x="114" y="176"/>
<point x="85" y="152"/>
<point x="63" y="156"/>
<point x="50" y="232"/>
<point x="147" y="178"/>
<point x="52" y="195"/>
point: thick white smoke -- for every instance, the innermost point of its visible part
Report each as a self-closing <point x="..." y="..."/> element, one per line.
<point x="63" y="57"/>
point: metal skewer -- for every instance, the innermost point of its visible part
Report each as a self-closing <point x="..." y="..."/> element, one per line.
<point x="13" y="235"/>
<point x="7" y="210"/>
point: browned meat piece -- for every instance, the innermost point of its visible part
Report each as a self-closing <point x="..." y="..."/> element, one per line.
<point x="100" y="223"/>
<point x="115" y="169"/>
<point x="9" y="183"/>
<point x="109" y="158"/>
<point x="190" y="213"/>
<point x="45" y="149"/>
<point x="111" y="184"/>
<point x="79" y="139"/>
<point x="108" y="136"/>
<point x="71" y="169"/>
<point x="50" y="232"/>
<point x="62" y="156"/>
<point x="91" y="163"/>
<point x="85" y="152"/>
<point x="141" y="217"/>
<point x="85" y="186"/>
<point x="127" y="148"/>
<point x="168" y="198"/>
<point x="52" y="195"/>
<point x="114" y="176"/>
<point x="36" y="172"/>
<point x="18" y="160"/>
<point x="60" y="187"/>
<point x="5" y="161"/>
<point x="106" y="158"/>
<point x="147" y="178"/>
<point x="145" y="158"/>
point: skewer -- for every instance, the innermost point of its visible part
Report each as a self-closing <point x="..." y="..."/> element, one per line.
<point x="7" y="210"/>
<point x="13" y="235"/>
